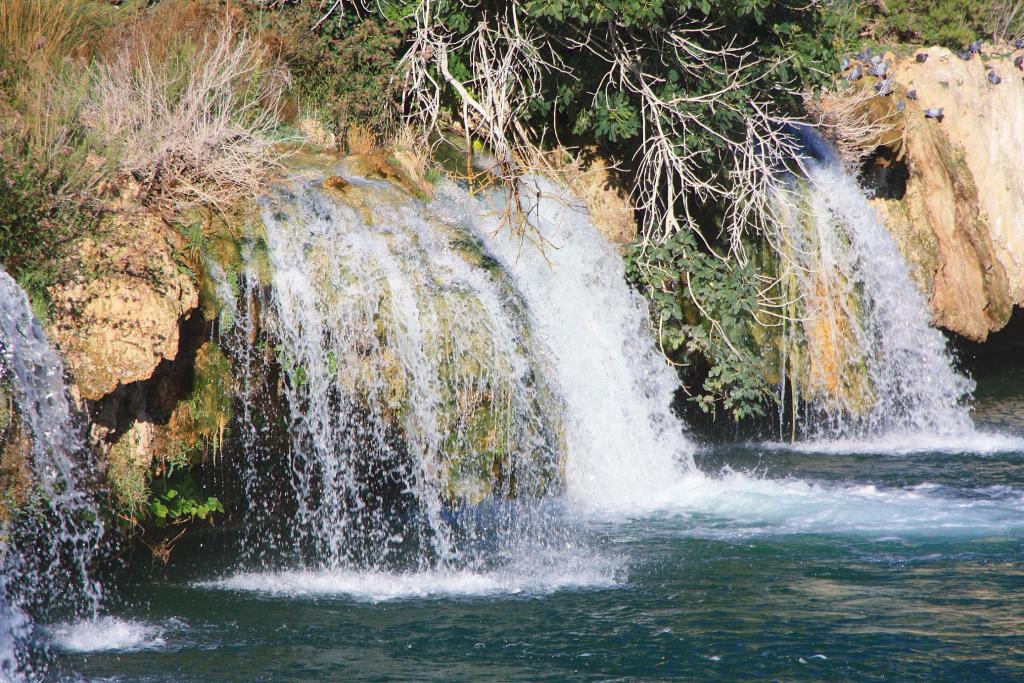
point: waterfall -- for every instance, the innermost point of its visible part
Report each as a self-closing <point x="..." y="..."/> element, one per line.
<point x="872" y="364"/>
<point x="412" y="379"/>
<point x="52" y="536"/>
<point x="622" y="439"/>
<point x="439" y="369"/>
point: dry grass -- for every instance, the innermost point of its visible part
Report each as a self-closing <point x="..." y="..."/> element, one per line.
<point x="855" y="119"/>
<point x="360" y="140"/>
<point x="190" y="118"/>
<point x="43" y="31"/>
<point x="43" y="48"/>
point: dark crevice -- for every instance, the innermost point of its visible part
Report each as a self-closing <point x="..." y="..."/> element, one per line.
<point x="1003" y="351"/>
<point x="885" y="175"/>
<point x="154" y="399"/>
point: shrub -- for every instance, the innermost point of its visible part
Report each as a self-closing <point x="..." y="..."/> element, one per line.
<point x="704" y="309"/>
<point x="953" y="23"/>
<point x="188" y="116"/>
<point x="346" y="66"/>
<point x="37" y="228"/>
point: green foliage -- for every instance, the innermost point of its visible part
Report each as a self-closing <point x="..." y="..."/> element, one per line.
<point x="176" y="498"/>
<point x="37" y="228"/>
<point x="952" y="23"/>
<point x="210" y="406"/>
<point x="346" y="70"/>
<point x="713" y="341"/>
<point x="433" y="175"/>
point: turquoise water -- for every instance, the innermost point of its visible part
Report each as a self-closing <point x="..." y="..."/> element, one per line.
<point x="813" y="566"/>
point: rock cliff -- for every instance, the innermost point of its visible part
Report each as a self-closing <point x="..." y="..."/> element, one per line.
<point x="951" y="189"/>
<point x="118" y="321"/>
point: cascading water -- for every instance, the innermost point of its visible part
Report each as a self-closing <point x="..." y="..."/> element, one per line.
<point x="433" y="362"/>
<point x="622" y="440"/>
<point x="53" y="536"/>
<point x="412" y="379"/>
<point x="443" y="375"/>
<point x="871" y="364"/>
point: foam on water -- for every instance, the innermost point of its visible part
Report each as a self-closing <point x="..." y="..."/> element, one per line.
<point x="583" y="572"/>
<point x="733" y="504"/>
<point x="105" y="634"/>
<point x="974" y="442"/>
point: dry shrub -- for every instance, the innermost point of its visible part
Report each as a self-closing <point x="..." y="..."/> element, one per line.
<point x="856" y="120"/>
<point x="1006" y="19"/>
<point x="360" y="140"/>
<point x="188" y="116"/>
<point x="597" y="182"/>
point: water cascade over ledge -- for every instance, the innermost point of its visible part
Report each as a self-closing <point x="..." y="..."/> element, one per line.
<point x="441" y="372"/>
<point x="47" y="548"/>
<point x="463" y="400"/>
<point x="865" y="362"/>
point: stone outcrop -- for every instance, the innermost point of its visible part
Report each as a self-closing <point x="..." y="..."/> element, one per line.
<point x="952" y="189"/>
<point x="120" y="319"/>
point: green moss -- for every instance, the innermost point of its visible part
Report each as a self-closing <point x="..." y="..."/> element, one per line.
<point x="210" y="408"/>
<point x="128" y="474"/>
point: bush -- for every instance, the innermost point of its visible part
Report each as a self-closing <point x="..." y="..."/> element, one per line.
<point x="37" y="228"/>
<point x="44" y="178"/>
<point x="346" y="68"/>
<point x="952" y="23"/>
<point x="705" y="311"/>
<point x="190" y="117"/>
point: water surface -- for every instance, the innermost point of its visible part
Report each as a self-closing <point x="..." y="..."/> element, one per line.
<point x="834" y="566"/>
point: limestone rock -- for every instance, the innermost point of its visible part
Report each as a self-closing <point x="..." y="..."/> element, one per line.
<point x="960" y="222"/>
<point x="115" y="324"/>
<point x="336" y="183"/>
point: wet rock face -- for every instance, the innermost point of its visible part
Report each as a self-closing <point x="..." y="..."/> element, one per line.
<point x="119" y="321"/>
<point x="959" y="221"/>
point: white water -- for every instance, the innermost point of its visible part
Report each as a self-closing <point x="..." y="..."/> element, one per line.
<point x="225" y="291"/>
<point x="60" y="528"/>
<point x="106" y="634"/>
<point x="856" y="287"/>
<point x="623" y="442"/>
<point x="385" y="323"/>
<point x="534" y="574"/>
<point x="735" y="504"/>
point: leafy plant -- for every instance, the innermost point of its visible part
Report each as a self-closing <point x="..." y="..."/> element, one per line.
<point x="345" y="65"/>
<point x="704" y="309"/>
<point x="176" y="498"/>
